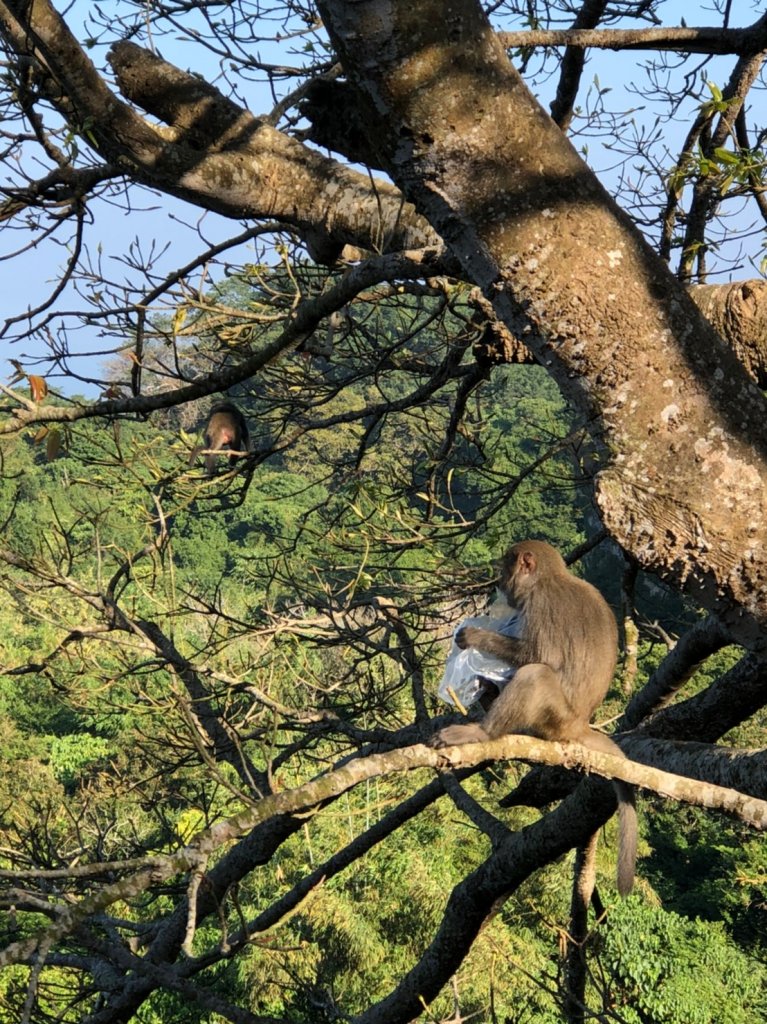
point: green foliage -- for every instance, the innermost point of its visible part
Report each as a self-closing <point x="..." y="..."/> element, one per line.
<point x="28" y="703"/>
<point x="740" y="167"/>
<point x="356" y="935"/>
<point x="710" y="868"/>
<point x="72" y="756"/>
<point x="211" y="544"/>
<point x="281" y="595"/>
<point x="671" y="969"/>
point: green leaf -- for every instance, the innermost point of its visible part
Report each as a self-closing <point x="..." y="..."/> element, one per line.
<point x="725" y="156"/>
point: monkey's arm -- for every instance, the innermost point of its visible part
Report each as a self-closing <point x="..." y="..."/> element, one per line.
<point x="508" y="648"/>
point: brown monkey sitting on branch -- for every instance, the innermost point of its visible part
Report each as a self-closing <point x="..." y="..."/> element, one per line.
<point x="564" y="663"/>
<point x="226" y="431"/>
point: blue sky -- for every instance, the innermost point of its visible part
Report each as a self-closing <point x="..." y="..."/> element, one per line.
<point x="176" y="225"/>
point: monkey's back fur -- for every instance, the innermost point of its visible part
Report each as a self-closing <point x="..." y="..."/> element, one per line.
<point x="226" y="432"/>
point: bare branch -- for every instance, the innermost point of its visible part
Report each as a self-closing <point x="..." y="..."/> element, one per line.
<point x="313" y="794"/>
<point x="715" y="40"/>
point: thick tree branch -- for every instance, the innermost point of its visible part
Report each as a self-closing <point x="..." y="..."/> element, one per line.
<point x="705" y="638"/>
<point x="743" y="770"/>
<point x="732" y="699"/>
<point x="270" y="175"/>
<point x="738" y="310"/>
<point x="470" y="903"/>
<point x="241" y="167"/>
<point x="728" y="702"/>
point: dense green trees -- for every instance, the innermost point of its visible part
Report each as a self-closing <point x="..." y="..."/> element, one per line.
<point x="307" y="615"/>
<point x="216" y="801"/>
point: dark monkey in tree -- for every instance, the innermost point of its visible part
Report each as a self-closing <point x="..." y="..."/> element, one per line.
<point x="226" y="431"/>
<point x="564" y="664"/>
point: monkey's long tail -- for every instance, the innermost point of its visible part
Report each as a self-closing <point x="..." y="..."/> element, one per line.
<point x="627" y="814"/>
<point x="627" y="848"/>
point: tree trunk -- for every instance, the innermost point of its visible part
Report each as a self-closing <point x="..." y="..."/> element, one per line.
<point x="739" y="312"/>
<point x="685" y="430"/>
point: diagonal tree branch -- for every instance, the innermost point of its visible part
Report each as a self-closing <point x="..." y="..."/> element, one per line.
<point x="297" y="186"/>
<point x="317" y="792"/>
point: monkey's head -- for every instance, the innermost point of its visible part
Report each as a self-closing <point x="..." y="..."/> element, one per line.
<point x="524" y="565"/>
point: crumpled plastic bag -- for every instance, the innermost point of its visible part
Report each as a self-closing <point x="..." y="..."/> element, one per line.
<point x="467" y="669"/>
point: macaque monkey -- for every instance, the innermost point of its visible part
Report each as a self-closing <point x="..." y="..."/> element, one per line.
<point x="564" y="660"/>
<point x="226" y="431"/>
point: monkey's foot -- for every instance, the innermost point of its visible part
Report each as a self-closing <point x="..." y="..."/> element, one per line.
<point x="455" y="735"/>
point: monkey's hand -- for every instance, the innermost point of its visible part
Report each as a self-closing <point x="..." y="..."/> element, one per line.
<point x="471" y="636"/>
<point x="507" y="648"/>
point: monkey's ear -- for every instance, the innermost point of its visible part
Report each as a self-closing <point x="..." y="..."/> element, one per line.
<point x="527" y="562"/>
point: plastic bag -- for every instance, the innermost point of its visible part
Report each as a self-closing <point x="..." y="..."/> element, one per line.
<point x="467" y="668"/>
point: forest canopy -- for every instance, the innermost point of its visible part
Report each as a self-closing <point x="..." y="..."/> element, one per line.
<point x="471" y="274"/>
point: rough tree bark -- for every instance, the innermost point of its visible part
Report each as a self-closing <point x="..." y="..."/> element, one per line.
<point x="739" y="312"/>
<point x="290" y="182"/>
<point x="683" y="488"/>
